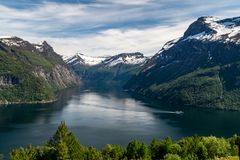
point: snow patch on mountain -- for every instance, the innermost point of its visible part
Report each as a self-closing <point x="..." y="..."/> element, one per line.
<point x="128" y="58"/>
<point x="200" y="36"/>
<point x="39" y="47"/>
<point x="3" y="37"/>
<point x="12" y="41"/>
<point x="84" y="59"/>
<point x="224" y="30"/>
<point x="168" y="45"/>
<point x="71" y="59"/>
<point x="92" y="60"/>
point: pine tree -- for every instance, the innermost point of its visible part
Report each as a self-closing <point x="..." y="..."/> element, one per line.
<point x="63" y="135"/>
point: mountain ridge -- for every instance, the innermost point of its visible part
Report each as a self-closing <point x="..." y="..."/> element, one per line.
<point x="199" y="69"/>
<point x="127" y="58"/>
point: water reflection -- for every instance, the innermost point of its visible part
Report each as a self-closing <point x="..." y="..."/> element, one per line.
<point x="100" y="117"/>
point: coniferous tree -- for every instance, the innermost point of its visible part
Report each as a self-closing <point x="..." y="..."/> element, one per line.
<point x="63" y="135"/>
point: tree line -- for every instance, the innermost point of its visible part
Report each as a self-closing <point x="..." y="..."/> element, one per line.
<point x="63" y="145"/>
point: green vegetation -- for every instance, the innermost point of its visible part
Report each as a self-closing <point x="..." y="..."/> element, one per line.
<point x="27" y="77"/>
<point x="65" y="146"/>
<point x="35" y="59"/>
<point x="206" y="87"/>
<point x="1" y="157"/>
<point x="28" y="88"/>
<point x="199" y="88"/>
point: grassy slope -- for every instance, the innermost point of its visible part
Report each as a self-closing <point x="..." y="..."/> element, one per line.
<point x="34" y="59"/>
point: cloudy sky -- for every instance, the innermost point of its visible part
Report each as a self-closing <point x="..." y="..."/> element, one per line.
<point x="106" y="27"/>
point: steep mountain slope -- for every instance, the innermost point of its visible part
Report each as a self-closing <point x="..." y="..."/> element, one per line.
<point x="202" y="68"/>
<point x="111" y="70"/>
<point x="31" y="73"/>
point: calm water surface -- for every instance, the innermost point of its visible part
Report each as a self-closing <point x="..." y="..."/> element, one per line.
<point x="98" y="118"/>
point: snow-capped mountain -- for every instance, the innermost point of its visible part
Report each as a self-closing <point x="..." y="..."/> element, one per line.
<point x="16" y="42"/>
<point x="210" y="29"/>
<point x="108" y="61"/>
<point x="12" y="41"/>
<point x="204" y="30"/>
<point x="110" y="69"/>
<point x="201" y="68"/>
<point x="214" y="29"/>
<point x="125" y="58"/>
<point x="84" y="60"/>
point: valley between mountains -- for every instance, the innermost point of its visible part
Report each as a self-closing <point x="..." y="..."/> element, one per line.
<point x="200" y="69"/>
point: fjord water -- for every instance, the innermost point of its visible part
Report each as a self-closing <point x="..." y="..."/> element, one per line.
<point x="101" y="117"/>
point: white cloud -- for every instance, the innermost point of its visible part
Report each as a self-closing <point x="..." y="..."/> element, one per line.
<point x="109" y="26"/>
<point x="126" y="2"/>
<point x="114" y="41"/>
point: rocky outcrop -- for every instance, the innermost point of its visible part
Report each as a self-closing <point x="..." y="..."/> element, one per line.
<point x="60" y="76"/>
<point x="8" y="80"/>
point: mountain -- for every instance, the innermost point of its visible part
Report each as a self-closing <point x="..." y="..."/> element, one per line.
<point x="31" y="73"/>
<point x="109" y="70"/>
<point x="84" y="60"/>
<point x="202" y="68"/>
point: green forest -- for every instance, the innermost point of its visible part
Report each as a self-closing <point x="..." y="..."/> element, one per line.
<point x="64" y="145"/>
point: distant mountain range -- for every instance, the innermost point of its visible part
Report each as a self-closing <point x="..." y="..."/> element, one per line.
<point x="31" y="73"/>
<point x="107" y="71"/>
<point x="202" y="68"/>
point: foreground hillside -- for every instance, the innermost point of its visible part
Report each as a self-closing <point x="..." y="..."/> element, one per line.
<point x="31" y="73"/>
<point x="202" y="68"/>
<point x="107" y="71"/>
<point x="64" y="146"/>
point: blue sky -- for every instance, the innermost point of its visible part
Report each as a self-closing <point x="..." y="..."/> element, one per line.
<point x="106" y="27"/>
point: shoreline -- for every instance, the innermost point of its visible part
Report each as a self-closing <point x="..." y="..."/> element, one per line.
<point x="39" y="102"/>
<point x="32" y="102"/>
